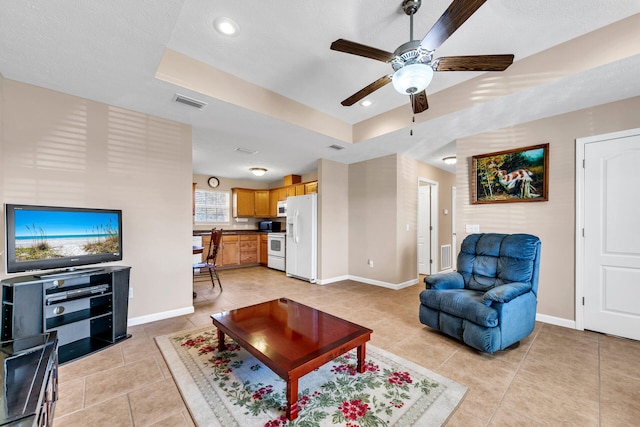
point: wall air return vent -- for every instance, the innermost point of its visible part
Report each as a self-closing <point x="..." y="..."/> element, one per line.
<point x="191" y="102"/>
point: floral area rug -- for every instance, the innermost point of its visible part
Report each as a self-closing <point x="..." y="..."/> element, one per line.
<point x="232" y="388"/>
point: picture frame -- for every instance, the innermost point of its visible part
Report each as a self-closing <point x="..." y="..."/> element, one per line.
<point x="517" y="175"/>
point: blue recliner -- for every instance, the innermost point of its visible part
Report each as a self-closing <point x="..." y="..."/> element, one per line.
<point x="490" y="302"/>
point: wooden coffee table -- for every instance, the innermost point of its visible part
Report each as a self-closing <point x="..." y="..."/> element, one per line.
<point x="292" y="339"/>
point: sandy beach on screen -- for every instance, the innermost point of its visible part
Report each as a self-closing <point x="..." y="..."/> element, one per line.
<point x="66" y="247"/>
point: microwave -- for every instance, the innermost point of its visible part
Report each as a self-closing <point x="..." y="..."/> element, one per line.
<point x="269" y="226"/>
<point x="282" y="208"/>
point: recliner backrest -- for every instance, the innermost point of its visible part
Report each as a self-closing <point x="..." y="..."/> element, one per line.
<point x="492" y="259"/>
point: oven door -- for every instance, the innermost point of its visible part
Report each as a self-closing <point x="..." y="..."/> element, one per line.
<point x="276" y="243"/>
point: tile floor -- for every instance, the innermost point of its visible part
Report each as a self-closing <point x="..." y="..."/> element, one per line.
<point x="557" y="377"/>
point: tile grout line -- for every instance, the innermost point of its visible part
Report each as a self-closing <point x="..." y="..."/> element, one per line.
<point x="515" y="373"/>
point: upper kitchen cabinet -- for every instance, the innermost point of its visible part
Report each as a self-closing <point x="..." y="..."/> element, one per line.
<point x="311" y="187"/>
<point x="244" y="202"/>
<point x="250" y="203"/>
<point x="264" y="203"/>
<point x="261" y="198"/>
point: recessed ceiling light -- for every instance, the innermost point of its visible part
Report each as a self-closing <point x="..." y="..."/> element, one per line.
<point x="226" y="26"/>
<point x="366" y="103"/>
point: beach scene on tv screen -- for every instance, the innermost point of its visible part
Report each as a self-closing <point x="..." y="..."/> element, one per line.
<point x="58" y="234"/>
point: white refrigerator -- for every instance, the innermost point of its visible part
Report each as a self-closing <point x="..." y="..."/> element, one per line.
<point x="302" y="237"/>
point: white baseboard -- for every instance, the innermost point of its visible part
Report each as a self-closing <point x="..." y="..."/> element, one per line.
<point x="558" y="321"/>
<point x="384" y="284"/>
<point x="134" y="321"/>
<point x="331" y="280"/>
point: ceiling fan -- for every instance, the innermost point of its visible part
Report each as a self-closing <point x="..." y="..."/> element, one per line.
<point x="413" y="61"/>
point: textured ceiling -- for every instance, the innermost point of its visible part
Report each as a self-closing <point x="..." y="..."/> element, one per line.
<point x="111" y="51"/>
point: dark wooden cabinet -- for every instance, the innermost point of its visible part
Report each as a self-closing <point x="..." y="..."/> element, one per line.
<point x="29" y="378"/>
<point x="87" y="308"/>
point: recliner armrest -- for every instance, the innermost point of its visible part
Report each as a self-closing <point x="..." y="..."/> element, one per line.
<point x="450" y="280"/>
<point x="505" y="293"/>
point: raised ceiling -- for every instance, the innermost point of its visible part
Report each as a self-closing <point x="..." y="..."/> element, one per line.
<point x="276" y="87"/>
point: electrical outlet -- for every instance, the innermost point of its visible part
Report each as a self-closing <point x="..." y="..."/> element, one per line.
<point x="370" y="262"/>
<point x="130" y="293"/>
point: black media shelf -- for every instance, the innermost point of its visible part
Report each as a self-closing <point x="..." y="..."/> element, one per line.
<point x="80" y="348"/>
<point x="65" y="319"/>
<point x="88" y="311"/>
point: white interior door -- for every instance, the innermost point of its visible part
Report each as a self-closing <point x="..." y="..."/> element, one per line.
<point x="454" y="239"/>
<point x="611" y="241"/>
<point x="427" y="239"/>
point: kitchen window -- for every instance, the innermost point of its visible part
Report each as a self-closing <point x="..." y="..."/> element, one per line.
<point x="212" y="206"/>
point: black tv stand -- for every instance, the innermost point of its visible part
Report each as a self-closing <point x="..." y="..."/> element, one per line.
<point x="67" y="272"/>
<point x="87" y="308"/>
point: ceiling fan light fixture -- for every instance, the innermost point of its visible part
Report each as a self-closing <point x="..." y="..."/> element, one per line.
<point x="451" y="160"/>
<point x="412" y="78"/>
<point x="258" y="171"/>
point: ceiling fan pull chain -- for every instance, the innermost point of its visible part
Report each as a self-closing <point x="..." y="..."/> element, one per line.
<point x="411" y="26"/>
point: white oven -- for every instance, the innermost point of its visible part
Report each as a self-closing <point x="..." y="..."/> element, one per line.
<point x="282" y="208"/>
<point x="276" y="251"/>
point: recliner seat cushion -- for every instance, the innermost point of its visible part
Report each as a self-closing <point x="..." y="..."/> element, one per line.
<point x="463" y="303"/>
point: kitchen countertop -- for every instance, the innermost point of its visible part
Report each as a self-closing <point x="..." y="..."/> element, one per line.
<point x="228" y="232"/>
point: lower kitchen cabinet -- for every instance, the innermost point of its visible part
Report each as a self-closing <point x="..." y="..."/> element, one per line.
<point x="264" y="246"/>
<point x="230" y="251"/>
<point x="249" y="249"/>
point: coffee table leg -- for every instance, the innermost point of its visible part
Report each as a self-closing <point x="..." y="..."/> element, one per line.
<point x="221" y="345"/>
<point x="361" y="356"/>
<point x="292" y="399"/>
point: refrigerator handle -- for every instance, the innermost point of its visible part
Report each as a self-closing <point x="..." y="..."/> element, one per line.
<point x="296" y="226"/>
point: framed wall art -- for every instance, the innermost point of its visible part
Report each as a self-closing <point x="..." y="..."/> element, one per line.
<point x="518" y="175"/>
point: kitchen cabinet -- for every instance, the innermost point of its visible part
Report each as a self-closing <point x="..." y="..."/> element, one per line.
<point x="264" y="203"/>
<point x="230" y="251"/>
<point x="251" y="203"/>
<point x="193" y="198"/>
<point x="244" y="202"/>
<point x="248" y="249"/>
<point x="273" y="202"/>
<point x="263" y="248"/>
<point x="206" y="241"/>
<point x="311" y="187"/>
<point x="261" y="201"/>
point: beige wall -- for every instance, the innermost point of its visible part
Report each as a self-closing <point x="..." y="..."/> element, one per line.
<point x="58" y="149"/>
<point x="383" y="205"/>
<point x="333" y="220"/>
<point x="552" y="221"/>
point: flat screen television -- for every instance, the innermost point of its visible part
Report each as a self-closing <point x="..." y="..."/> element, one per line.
<point x="54" y="237"/>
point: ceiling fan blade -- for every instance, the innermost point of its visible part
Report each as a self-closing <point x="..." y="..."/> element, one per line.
<point x="419" y="102"/>
<point x="452" y="18"/>
<point x="473" y="63"/>
<point x="366" y="91"/>
<point x="354" y="48"/>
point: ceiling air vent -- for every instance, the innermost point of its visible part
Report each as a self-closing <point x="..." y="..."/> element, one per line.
<point x="246" y="150"/>
<point x="191" y="102"/>
<point x="336" y="147"/>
